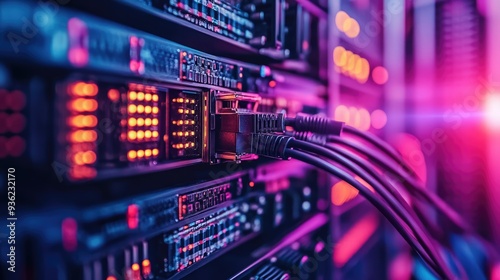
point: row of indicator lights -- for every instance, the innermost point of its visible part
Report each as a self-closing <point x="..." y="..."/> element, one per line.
<point x="141" y="96"/>
<point x="82" y="158"/>
<point x="142" y="122"/>
<point x="82" y="123"/>
<point x="133" y="154"/>
<point x="186" y="133"/>
<point x="347" y="24"/>
<point x="82" y="136"/>
<point x="184" y="122"/>
<point x="142" y="134"/>
<point x="183" y="146"/>
<point x="185" y="111"/>
<point x="360" y="117"/>
<point x="183" y="100"/>
<point x="351" y="64"/>
<point x="140" y="109"/>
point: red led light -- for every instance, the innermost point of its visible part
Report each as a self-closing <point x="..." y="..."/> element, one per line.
<point x="16" y="100"/>
<point x="133" y="216"/>
<point x="272" y="84"/>
<point x="15" y="146"/>
<point x="69" y="232"/>
<point x="380" y="75"/>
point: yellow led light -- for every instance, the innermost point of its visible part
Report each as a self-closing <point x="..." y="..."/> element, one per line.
<point x="155" y="97"/>
<point x="180" y="111"/>
<point x="148" y="97"/>
<point x="192" y="111"/>
<point x="155" y="152"/>
<point x="180" y="100"/>
<point x="155" y="134"/>
<point x="140" y="134"/>
<point x="187" y="100"/>
<point x="140" y="96"/>
<point x="140" y="121"/>
<point x="192" y="122"/>
<point x="192" y="133"/>
<point x="140" y="153"/>
<point x="132" y="95"/>
<point x="180" y="133"/>
<point x="155" y="122"/>
<point x="180" y="122"/>
<point x="132" y="122"/>
<point x="147" y="109"/>
<point x="132" y="135"/>
<point x="147" y="134"/>
<point x="132" y="109"/>
<point x="140" y="109"/>
<point x="155" y="110"/>
<point x="192" y="144"/>
<point x="147" y="153"/>
<point x="132" y="155"/>
<point x="192" y="101"/>
<point x="147" y="122"/>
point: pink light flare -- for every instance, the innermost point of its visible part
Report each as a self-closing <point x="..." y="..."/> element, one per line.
<point x="492" y="111"/>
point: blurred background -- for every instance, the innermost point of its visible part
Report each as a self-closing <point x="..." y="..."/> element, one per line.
<point x="107" y="117"/>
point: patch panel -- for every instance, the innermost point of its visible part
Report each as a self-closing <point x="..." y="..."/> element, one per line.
<point x="77" y="41"/>
<point x="215" y="16"/>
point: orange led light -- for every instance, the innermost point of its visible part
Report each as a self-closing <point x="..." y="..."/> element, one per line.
<point x="132" y="135"/>
<point x="83" y="121"/>
<point x="147" y="122"/>
<point x="132" y="122"/>
<point x="140" y="122"/>
<point x="192" y="122"/>
<point x="83" y="136"/>
<point x="146" y="267"/>
<point x="77" y="88"/>
<point x="140" y="153"/>
<point x="192" y="144"/>
<point x="192" y="101"/>
<point x="89" y="157"/>
<point x="113" y="95"/>
<point x="148" y="97"/>
<point x="147" y="153"/>
<point x="132" y="155"/>
<point x="140" y="134"/>
<point x="180" y="100"/>
<point x="174" y="133"/>
<point x="132" y="95"/>
<point x="155" y="110"/>
<point x="155" y="97"/>
<point x="154" y="122"/>
<point x="82" y="105"/>
<point x="155" y="152"/>
<point x="140" y="96"/>
<point x="132" y="109"/>
<point x="181" y="111"/>
<point x="78" y="158"/>
<point x="180" y="122"/>
<point x="140" y="109"/>
<point x="110" y="278"/>
<point x="84" y="89"/>
<point x="192" y="111"/>
<point x="155" y="134"/>
<point x="90" y="89"/>
<point x="192" y="133"/>
<point x="180" y="133"/>
<point x="147" y="134"/>
<point x="147" y="109"/>
<point x="135" y="267"/>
